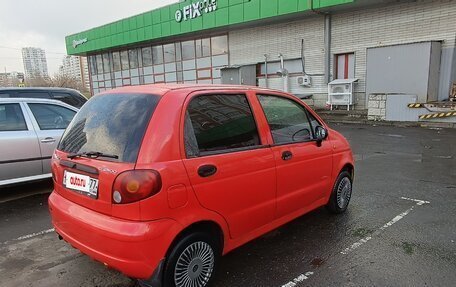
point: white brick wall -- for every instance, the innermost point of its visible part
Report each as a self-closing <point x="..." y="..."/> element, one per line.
<point x="352" y="31"/>
<point x="418" y="21"/>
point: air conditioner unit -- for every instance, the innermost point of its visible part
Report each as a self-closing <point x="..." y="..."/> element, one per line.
<point x="340" y="92"/>
<point x="304" y="81"/>
<point x="340" y="89"/>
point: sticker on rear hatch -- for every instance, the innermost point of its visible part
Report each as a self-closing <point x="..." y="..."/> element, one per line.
<point x="83" y="184"/>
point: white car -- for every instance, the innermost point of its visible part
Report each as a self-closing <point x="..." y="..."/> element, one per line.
<point x="29" y="132"/>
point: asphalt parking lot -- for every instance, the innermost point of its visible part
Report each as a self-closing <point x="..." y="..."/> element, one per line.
<point x="400" y="229"/>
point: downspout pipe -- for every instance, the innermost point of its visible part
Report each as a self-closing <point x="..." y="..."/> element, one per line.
<point x="327" y="48"/>
<point x="266" y="70"/>
<point x="327" y="37"/>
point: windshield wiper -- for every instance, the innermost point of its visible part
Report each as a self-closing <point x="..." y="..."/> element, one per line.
<point x="91" y="154"/>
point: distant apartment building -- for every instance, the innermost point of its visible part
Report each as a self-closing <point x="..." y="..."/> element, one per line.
<point x="35" y="63"/>
<point x="76" y="67"/>
<point x="11" y="79"/>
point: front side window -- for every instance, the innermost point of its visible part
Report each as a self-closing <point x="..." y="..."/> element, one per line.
<point x="51" y="117"/>
<point x="68" y="99"/>
<point x="287" y="119"/>
<point x="219" y="122"/>
<point x="11" y="118"/>
<point x="34" y="95"/>
<point x="314" y="123"/>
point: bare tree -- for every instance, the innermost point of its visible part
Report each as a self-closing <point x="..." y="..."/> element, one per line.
<point x="58" y="80"/>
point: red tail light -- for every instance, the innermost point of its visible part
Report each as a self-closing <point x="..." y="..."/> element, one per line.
<point x="134" y="185"/>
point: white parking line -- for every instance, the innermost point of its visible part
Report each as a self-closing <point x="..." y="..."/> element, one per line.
<point x="388" y="224"/>
<point x="31" y="235"/>
<point x="418" y="201"/>
<point x="299" y="279"/>
<point x="305" y="276"/>
<point x="28" y="236"/>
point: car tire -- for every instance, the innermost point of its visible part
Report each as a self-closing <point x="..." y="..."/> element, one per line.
<point x="341" y="193"/>
<point x="193" y="259"/>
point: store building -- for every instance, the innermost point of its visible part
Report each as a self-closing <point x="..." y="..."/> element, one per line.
<point x="211" y="41"/>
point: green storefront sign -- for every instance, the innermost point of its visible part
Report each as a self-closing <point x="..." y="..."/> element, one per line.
<point x="185" y="18"/>
<point x="195" y="10"/>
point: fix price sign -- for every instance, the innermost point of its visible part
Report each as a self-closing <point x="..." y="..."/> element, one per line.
<point x="195" y="10"/>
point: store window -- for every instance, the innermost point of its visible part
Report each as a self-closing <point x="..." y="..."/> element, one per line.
<point x="124" y="60"/>
<point x="192" y="61"/>
<point x="157" y="55"/>
<point x="147" y="56"/>
<point x="219" y="45"/>
<point x="106" y="63"/>
<point x="188" y="50"/>
<point x="178" y="51"/>
<point x="116" y="61"/>
<point x="133" y="56"/>
<point x="99" y="59"/>
<point x="93" y="65"/>
<point x="170" y="53"/>
<point x="203" y="48"/>
<point x="344" y="66"/>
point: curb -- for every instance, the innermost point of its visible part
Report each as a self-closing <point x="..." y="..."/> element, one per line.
<point x="395" y="124"/>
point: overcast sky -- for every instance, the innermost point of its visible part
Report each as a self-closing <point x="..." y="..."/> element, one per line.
<point x="45" y="23"/>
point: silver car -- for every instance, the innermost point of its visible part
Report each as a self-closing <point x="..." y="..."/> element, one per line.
<point x="29" y="132"/>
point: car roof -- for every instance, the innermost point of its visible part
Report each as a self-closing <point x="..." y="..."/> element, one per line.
<point x="36" y="100"/>
<point x="52" y="89"/>
<point x="162" y="89"/>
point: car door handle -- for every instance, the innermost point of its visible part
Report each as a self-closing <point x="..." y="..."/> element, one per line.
<point x="207" y="170"/>
<point x="48" y="140"/>
<point x="287" y="155"/>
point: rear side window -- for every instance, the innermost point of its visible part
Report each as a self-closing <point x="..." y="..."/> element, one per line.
<point x="5" y="95"/>
<point x="11" y="118"/>
<point x="112" y="124"/>
<point x="34" y="95"/>
<point x="287" y="119"/>
<point x="217" y="123"/>
<point x="68" y="98"/>
<point x="51" y="117"/>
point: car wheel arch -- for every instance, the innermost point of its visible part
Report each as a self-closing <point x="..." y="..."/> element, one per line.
<point x="206" y="226"/>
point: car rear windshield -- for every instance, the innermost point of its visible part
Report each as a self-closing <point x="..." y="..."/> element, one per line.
<point x="112" y="124"/>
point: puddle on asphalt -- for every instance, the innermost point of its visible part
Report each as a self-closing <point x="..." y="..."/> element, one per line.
<point x="409" y="248"/>
<point x="362" y="232"/>
<point x="317" y="262"/>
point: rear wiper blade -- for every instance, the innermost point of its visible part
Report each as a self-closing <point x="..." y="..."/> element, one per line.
<point x="91" y="154"/>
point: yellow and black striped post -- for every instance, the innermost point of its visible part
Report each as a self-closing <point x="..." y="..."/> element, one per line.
<point x="415" y="106"/>
<point x="438" y="115"/>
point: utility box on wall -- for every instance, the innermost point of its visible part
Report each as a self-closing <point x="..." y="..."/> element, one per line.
<point x="405" y="69"/>
<point x="239" y="75"/>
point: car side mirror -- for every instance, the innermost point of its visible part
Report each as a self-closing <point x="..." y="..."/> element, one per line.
<point x="321" y="133"/>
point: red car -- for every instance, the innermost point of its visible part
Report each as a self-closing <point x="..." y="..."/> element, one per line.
<point x="159" y="181"/>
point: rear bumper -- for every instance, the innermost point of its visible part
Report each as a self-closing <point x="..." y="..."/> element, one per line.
<point x="133" y="248"/>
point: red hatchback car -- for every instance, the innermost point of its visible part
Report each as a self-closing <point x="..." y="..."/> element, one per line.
<point x="159" y="181"/>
